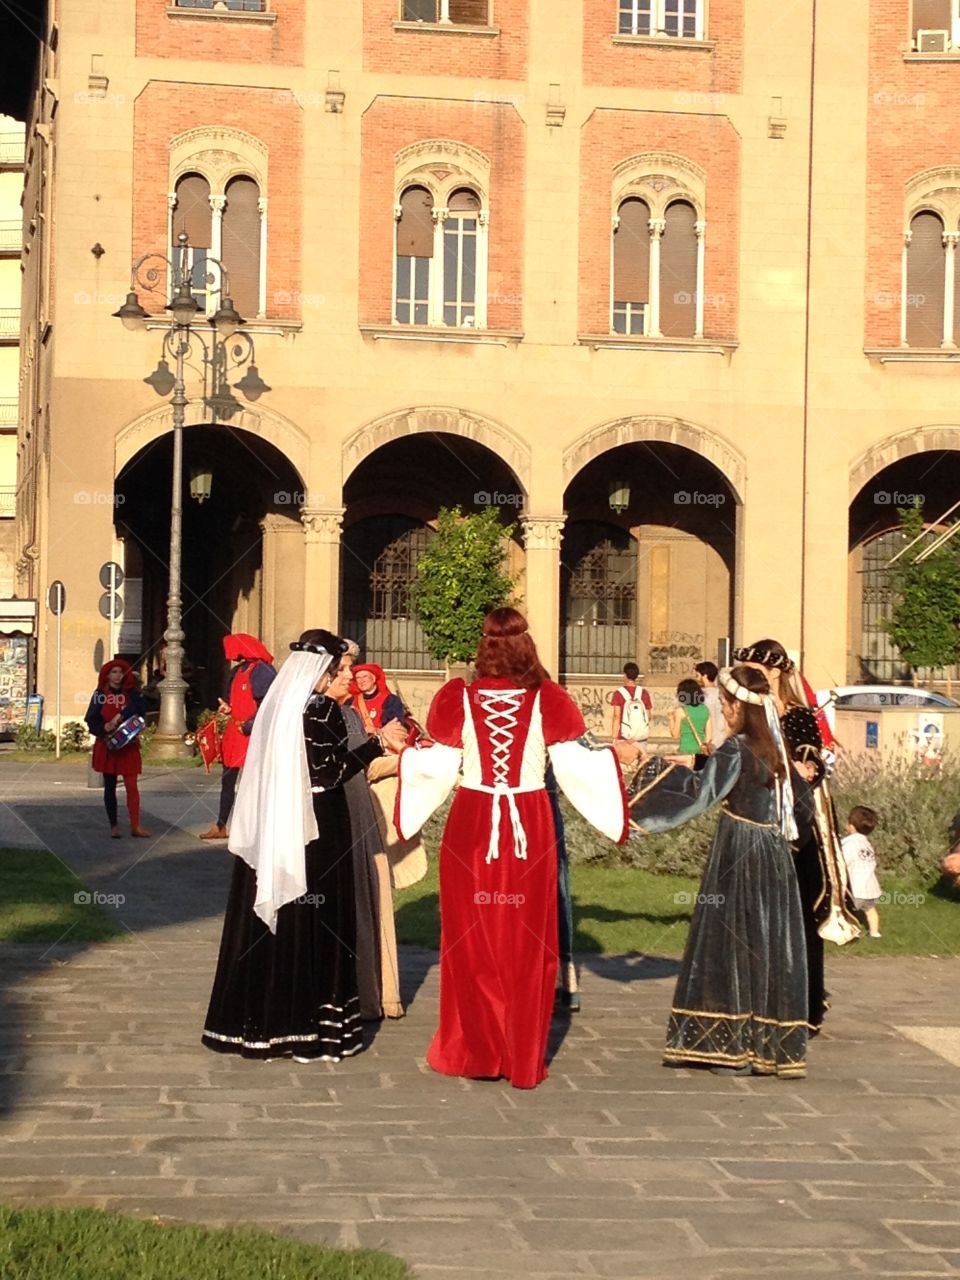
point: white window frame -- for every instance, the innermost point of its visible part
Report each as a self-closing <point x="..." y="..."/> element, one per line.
<point x="443" y="10"/>
<point x="441" y="215"/>
<point x="657" y="28"/>
<point x="950" y="239"/>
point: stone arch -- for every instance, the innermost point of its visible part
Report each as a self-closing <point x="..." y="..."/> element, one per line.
<point x="905" y="444"/>
<point x="936" y="190"/>
<point x="728" y="460"/>
<point x="429" y="418"/>
<point x="660" y="178"/>
<point x="442" y="165"/>
<point x="219" y="153"/>
<point x="265" y="423"/>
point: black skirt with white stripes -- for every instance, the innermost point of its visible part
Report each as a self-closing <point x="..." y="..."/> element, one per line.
<point x="292" y="993"/>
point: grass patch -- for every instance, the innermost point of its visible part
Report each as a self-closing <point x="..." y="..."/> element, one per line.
<point x="86" y="1244"/>
<point x="38" y="903"/>
<point x="619" y="909"/>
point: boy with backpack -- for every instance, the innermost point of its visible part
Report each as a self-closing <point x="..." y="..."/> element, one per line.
<point x="631" y="708"/>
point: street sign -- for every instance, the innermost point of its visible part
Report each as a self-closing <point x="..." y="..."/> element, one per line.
<point x="111" y="575"/>
<point x="873" y="734"/>
<point x="57" y="597"/>
<point x="111" y="605"/>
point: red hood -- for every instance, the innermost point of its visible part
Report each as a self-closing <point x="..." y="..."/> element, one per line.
<point x="382" y="688"/>
<point x="241" y="645"/>
<point x="129" y="679"/>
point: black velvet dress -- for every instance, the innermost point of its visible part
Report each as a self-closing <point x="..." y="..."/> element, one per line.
<point x="741" y="997"/>
<point x="294" y="992"/>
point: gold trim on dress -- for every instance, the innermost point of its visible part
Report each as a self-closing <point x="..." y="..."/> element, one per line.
<point x="772" y="826"/>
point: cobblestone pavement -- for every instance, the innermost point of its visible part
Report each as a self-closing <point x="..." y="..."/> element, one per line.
<point x="615" y="1167"/>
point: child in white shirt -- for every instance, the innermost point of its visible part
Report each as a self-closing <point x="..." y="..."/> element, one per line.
<point x="861" y="863"/>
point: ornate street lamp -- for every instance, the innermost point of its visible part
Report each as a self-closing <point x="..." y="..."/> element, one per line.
<point x="219" y="351"/>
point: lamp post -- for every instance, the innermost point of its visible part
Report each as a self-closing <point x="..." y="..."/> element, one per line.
<point x="225" y="348"/>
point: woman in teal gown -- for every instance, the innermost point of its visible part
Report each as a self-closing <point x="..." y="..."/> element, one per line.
<point x="741" y="998"/>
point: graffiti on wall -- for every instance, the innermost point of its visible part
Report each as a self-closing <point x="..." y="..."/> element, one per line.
<point x="674" y="652"/>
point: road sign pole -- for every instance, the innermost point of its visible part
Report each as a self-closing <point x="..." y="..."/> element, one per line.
<point x="113" y="608"/>
<point x="59" y="673"/>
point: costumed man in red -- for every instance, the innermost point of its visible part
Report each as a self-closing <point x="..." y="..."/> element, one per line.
<point x="117" y="699"/>
<point x="372" y="697"/>
<point x="249" y="681"/>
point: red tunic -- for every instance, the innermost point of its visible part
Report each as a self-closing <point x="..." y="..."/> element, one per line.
<point x="498" y="949"/>
<point x="127" y="762"/>
<point x="243" y="707"/>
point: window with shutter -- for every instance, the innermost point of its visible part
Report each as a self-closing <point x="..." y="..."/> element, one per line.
<point x="932" y="15"/>
<point x="925" y="281"/>
<point x="631" y="268"/>
<point x="470" y="13"/>
<point x="415" y="233"/>
<point x="193" y="216"/>
<point x="241" y="244"/>
<point x="678" y="272"/>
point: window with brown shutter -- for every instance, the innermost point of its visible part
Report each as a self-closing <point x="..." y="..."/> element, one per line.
<point x="192" y="212"/>
<point x="678" y="272"/>
<point x="241" y="244"/>
<point x="631" y="267"/>
<point x="470" y="13"/>
<point x="931" y="15"/>
<point x="414" y="251"/>
<point x="925" y="281"/>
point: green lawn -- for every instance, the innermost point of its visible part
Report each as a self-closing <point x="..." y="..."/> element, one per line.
<point x="81" y="757"/>
<point x="620" y="909"/>
<point x="41" y="900"/>
<point x="85" y="1244"/>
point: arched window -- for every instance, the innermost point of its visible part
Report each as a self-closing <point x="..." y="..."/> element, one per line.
<point x="191" y="213"/>
<point x="414" y="255"/>
<point x="678" y="271"/>
<point x="460" y="232"/>
<point x="441" y="243"/>
<point x="380" y="557"/>
<point x="598" y="598"/>
<point x="658" y="247"/>
<point x="218" y="181"/>
<point x="631" y="267"/>
<point x="926" y="283"/>
<point x="241" y="244"/>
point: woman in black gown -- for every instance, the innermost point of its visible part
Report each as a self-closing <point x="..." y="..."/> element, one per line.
<point x="286" y="980"/>
<point x="741" y="999"/>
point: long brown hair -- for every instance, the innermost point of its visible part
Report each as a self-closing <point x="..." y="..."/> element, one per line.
<point x="753" y="723"/>
<point x="506" y="650"/>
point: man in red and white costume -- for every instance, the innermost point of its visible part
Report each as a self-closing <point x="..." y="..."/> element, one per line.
<point x="498" y="857"/>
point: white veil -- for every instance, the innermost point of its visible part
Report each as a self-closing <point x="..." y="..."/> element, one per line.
<point x="273" y="819"/>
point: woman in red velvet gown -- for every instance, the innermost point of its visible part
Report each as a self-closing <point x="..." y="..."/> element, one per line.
<point x="498" y="857"/>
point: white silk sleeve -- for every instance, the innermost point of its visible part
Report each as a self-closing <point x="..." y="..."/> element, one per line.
<point x="593" y="783"/>
<point x="427" y="777"/>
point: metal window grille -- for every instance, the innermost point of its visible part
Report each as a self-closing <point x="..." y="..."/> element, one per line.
<point x="380" y="557"/>
<point x="879" y="657"/>
<point x="598" y="599"/>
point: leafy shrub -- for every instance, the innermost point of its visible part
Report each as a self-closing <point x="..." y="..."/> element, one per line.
<point x="29" y="739"/>
<point x="74" y="736"/>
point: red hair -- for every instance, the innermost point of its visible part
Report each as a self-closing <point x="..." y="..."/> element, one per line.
<point x="507" y="651"/>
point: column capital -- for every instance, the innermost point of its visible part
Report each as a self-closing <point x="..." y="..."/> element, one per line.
<point x="262" y="203"/>
<point x="951" y="239"/>
<point x="656" y="227"/>
<point x="542" y="533"/>
<point x="322" y="524"/>
<point x="700" y="228"/>
<point x="218" y="203"/>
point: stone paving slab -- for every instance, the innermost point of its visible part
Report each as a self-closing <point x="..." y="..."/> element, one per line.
<point x="614" y="1167"/>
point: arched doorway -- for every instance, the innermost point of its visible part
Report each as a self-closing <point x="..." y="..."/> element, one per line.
<point x="648" y="562"/>
<point x="930" y="481"/>
<point x="242" y="548"/>
<point x="392" y="499"/>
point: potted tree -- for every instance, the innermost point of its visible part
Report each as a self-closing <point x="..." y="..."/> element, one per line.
<point x="461" y="576"/>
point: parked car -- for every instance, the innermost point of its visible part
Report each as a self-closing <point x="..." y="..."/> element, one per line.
<point x="869" y="697"/>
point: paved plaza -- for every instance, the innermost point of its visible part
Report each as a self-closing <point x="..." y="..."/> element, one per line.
<point x="615" y="1167"/>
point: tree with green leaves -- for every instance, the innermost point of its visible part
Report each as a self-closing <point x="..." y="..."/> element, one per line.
<point x="925" y="623"/>
<point x="461" y="576"/>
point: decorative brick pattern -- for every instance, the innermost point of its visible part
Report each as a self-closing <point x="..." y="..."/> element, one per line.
<point x="913" y="123"/>
<point x="446" y="53"/>
<point x="165" y="110"/>
<point x="610" y="137"/>
<point x="495" y="129"/>
<point x="686" y="70"/>
<point x="224" y="39"/>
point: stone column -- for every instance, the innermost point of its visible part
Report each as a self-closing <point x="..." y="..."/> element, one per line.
<point x="950" y="239"/>
<point x="541" y="540"/>
<point x="657" y="227"/>
<point x="321" y="595"/>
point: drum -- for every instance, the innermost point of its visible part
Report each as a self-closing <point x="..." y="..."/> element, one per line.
<point x="126" y="732"/>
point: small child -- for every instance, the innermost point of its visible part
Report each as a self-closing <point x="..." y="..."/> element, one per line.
<point x="861" y="863"/>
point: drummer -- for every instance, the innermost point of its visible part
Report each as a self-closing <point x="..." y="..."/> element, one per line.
<point x="116" y="700"/>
